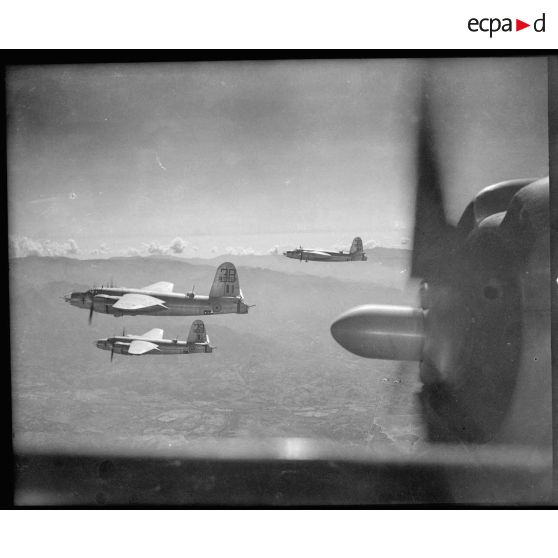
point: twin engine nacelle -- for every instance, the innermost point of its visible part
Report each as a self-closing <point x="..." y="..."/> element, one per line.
<point x="496" y="250"/>
<point x="482" y="331"/>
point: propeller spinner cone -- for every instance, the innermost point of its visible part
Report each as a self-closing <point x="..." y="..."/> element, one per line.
<point x="382" y="332"/>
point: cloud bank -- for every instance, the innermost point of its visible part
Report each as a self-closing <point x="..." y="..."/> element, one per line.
<point x="240" y="251"/>
<point x="102" y="250"/>
<point x="177" y="245"/>
<point x="155" y="249"/>
<point x="22" y="246"/>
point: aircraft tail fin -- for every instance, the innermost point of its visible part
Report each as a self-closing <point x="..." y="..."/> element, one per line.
<point x="356" y="246"/>
<point x="226" y="282"/>
<point x="197" y="333"/>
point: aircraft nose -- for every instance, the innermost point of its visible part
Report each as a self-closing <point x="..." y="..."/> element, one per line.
<point x="80" y="299"/>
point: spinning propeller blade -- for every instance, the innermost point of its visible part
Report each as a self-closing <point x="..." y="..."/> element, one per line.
<point x="91" y="311"/>
<point x="433" y="235"/>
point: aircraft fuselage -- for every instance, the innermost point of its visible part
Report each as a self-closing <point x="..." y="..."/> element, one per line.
<point x="324" y="256"/>
<point x="121" y="344"/>
<point x="173" y="304"/>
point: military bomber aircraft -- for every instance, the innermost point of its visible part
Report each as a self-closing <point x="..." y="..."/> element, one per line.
<point x="158" y="299"/>
<point x="152" y="343"/>
<point x="356" y="253"/>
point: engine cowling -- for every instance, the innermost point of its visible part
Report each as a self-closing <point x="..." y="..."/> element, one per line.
<point x="482" y="333"/>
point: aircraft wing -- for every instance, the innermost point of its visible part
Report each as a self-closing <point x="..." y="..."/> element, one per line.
<point x="160" y="287"/>
<point x="320" y="253"/>
<point x="139" y="347"/>
<point x="135" y="301"/>
<point x="155" y="333"/>
<point x="105" y="297"/>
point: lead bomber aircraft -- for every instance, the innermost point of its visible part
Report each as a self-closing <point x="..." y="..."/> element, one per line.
<point x="158" y="299"/>
<point x="355" y="253"/>
<point x="152" y="343"/>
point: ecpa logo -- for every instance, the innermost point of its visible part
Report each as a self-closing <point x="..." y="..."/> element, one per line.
<point x="494" y="24"/>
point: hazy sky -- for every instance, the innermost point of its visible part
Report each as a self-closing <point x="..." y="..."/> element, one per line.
<point x="238" y="156"/>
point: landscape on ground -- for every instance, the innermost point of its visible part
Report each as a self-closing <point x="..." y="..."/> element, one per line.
<point x="276" y="372"/>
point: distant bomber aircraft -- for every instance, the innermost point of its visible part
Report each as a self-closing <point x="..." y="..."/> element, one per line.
<point x="356" y="253"/>
<point x="152" y="343"/>
<point x="225" y="297"/>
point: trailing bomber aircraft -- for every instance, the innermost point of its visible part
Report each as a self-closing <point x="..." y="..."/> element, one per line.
<point x="152" y="343"/>
<point x="225" y="297"/>
<point x="356" y="253"/>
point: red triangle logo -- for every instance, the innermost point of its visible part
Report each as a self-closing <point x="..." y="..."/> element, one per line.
<point x="519" y="25"/>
